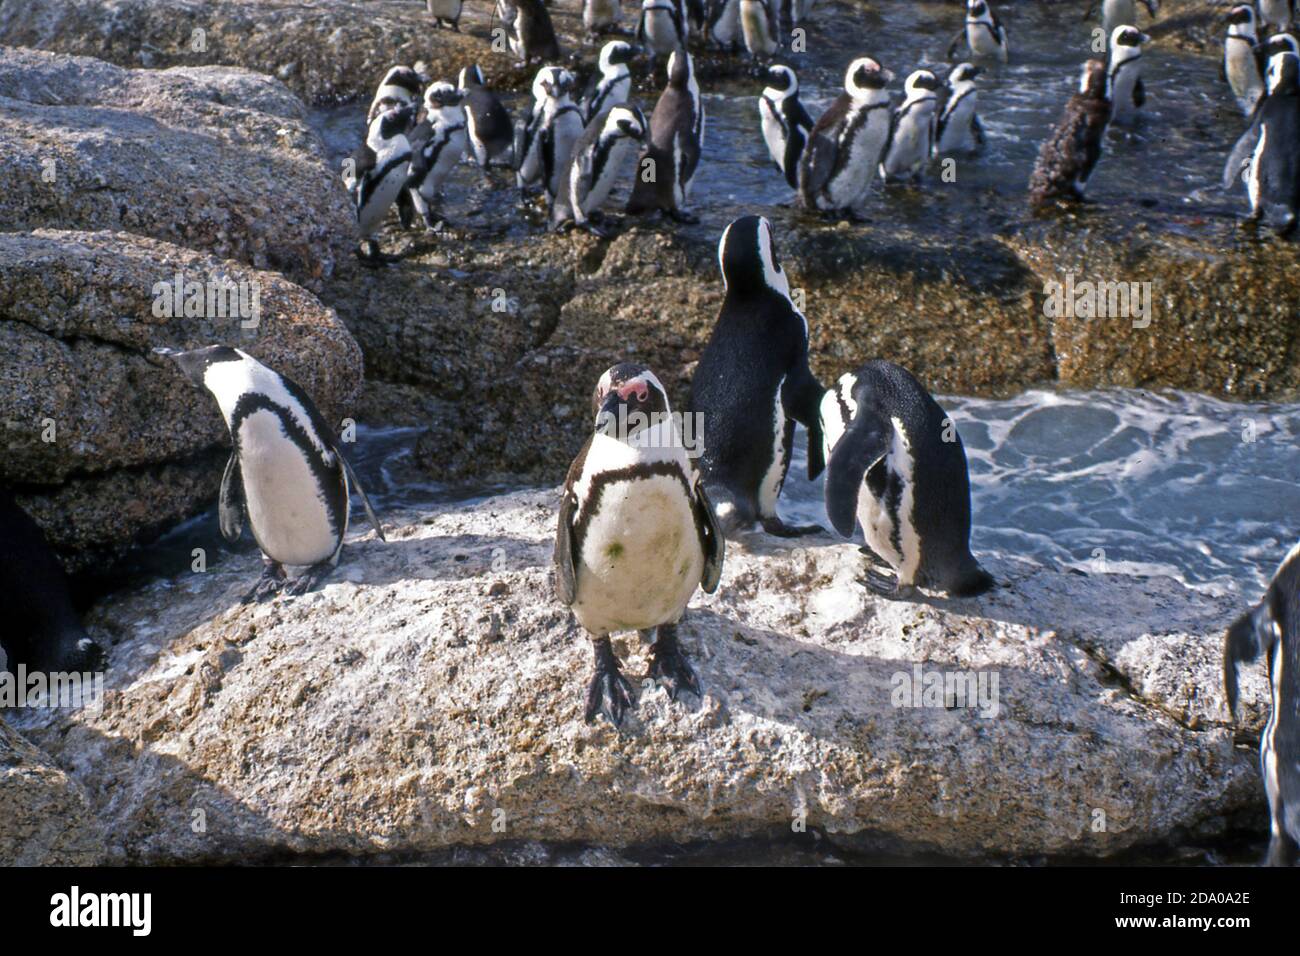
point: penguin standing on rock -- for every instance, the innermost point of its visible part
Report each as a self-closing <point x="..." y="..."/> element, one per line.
<point x="1126" y="90"/>
<point x="437" y="145"/>
<point x="600" y="158"/>
<point x="911" y="137"/>
<point x="984" y="34"/>
<point x="550" y="132"/>
<point x="1241" y="66"/>
<point x="786" y="124"/>
<point x="636" y="536"/>
<point x="753" y="383"/>
<point x="286" y="468"/>
<point x="958" y="128"/>
<point x="1070" y="154"/>
<point x="1272" y="628"/>
<point x="486" y="121"/>
<point x="1268" y="153"/>
<point x="401" y="86"/>
<point x="896" y="466"/>
<point x="676" y="140"/>
<point x="613" y="81"/>
<point x="847" y="142"/>
<point x="376" y="174"/>
<point x="531" y="32"/>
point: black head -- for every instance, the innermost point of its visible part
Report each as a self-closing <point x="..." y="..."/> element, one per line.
<point x="628" y="399"/>
<point x="964" y="71"/>
<point x="864" y="75"/>
<point x="1278" y="43"/>
<point x="1275" y="618"/>
<point x="471" y="78"/>
<point x="1241" y="16"/>
<point x="782" y="78"/>
<point x="977" y="9"/>
<point x="923" y="80"/>
<point x="616" y="52"/>
<point x="393" y="122"/>
<point x="1283" y="73"/>
<point x="439" y="95"/>
<point x="748" y="258"/>
<point x="628" y="120"/>
<point x="195" y="363"/>
<point x="1128" y="36"/>
<point x="405" y="78"/>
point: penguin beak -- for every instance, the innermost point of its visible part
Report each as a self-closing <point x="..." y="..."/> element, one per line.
<point x="190" y="364"/>
<point x="1143" y="38"/>
<point x="607" y="416"/>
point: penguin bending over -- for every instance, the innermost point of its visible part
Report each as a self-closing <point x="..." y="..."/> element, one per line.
<point x="1125" y="68"/>
<point x="1272" y="628"/>
<point x="958" y="127"/>
<point x="636" y="536"/>
<point x="786" y="124"/>
<point x="601" y="157"/>
<point x="286" y="468"/>
<point x="437" y="145"/>
<point x="1070" y="154"/>
<point x="847" y="142"/>
<point x="674" y="143"/>
<point x="400" y="87"/>
<point x="663" y="28"/>
<point x="1268" y="153"/>
<point x="376" y="175"/>
<point x="983" y="32"/>
<point x="1241" y="67"/>
<point x="896" y="466"/>
<point x="612" y="82"/>
<point x="911" y="136"/>
<point x="445" y="12"/>
<point x="42" y="629"/>
<point x="753" y="383"/>
<point x="487" y="123"/>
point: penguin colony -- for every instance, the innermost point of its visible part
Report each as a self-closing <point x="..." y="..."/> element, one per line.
<point x="641" y="526"/>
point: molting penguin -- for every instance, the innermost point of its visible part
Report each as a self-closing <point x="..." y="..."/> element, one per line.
<point x="601" y="157"/>
<point x="895" y="465"/>
<point x="847" y="142"/>
<point x="958" y="127"/>
<point x="42" y="630"/>
<point x="760" y="27"/>
<point x="911" y="136"/>
<point x="663" y="28"/>
<point x="674" y="145"/>
<point x="1269" y="151"/>
<point x="286" y="466"/>
<point x="984" y="34"/>
<point x="636" y="536"/>
<point x="376" y="174"/>
<point x="1272" y="628"/>
<point x="1125" y="68"/>
<point x="1277" y="14"/>
<point x="753" y="383"/>
<point x="486" y="121"/>
<point x="401" y="86"/>
<point x="613" y="81"/>
<point x="1069" y="155"/>
<point x="445" y="12"/>
<point x="437" y="145"/>
<point x="1241" y="66"/>
<point x="786" y="124"/>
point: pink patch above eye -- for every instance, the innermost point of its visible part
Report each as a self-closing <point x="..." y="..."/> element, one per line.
<point x="642" y="392"/>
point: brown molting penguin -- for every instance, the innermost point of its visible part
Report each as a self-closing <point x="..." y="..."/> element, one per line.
<point x="1070" y="154"/>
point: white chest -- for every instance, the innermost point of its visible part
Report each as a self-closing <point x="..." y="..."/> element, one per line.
<point x="773" y="135"/>
<point x="865" y="147"/>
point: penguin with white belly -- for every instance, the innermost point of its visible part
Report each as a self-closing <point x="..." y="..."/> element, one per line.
<point x="958" y="128"/>
<point x="895" y="465"/>
<point x="286" y="470"/>
<point x="1268" y="153"/>
<point x="375" y="176"/>
<point x="636" y="536"/>
<point x="984" y="33"/>
<point x="437" y="145"/>
<point x="1125" y="68"/>
<point x="674" y="144"/>
<point x="400" y="86"/>
<point x="1240" y="65"/>
<point x="785" y="123"/>
<point x="602" y="156"/>
<point x="911" y="135"/>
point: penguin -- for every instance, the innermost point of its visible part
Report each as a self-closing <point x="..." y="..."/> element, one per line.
<point x="1117" y="13"/>
<point x="487" y="123"/>
<point x="445" y="12"/>
<point x="674" y="143"/>
<point x="600" y="16"/>
<point x="958" y="127"/>
<point x="1277" y="14"/>
<point x="1277" y="43"/>
<point x="610" y="86"/>
<point x="42" y="630"/>
<point x="401" y="86"/>
<point x="1272" y="628"/>
<point x="662" y="28"/>
<point x="760" y="27"/>
<point x="785" y="123"/>
<point x="533" y="35"/>
<point x="555" y="125"/>
<point x="376" y="174"/>
<point x="636" y="535"/>
<point x="286" y="469"/>
<point x="724" y="24"/>
<point x="984" y="34"/>
<point x="847" y="142"/>
<point x="601" y="157"/>
<point x="911" y="137"/>
<point x="1269" y="151"/>
<point x="1125" y="69"/>
<point x="526" y="150"/>
<point x="756" y="359"/>
<point x="896" y="466"/>
<point x="1241" y="66"/>
<point x="1070" y="154"/>
<point x="437" y="145"/>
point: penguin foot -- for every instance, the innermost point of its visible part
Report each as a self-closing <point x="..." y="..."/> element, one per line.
<point x="309" y="580"/>
<point x="269" y="585"/>
<point x="884" y="585"/>
<point x="872" y="557"/>
<point x="775" y="526"/>
<point x="370" y="256"/>
<point x="600" y="232"/>
<point x="682" y="216"/>
<point x="609" y="692"/>
<point x="669" y="666"/>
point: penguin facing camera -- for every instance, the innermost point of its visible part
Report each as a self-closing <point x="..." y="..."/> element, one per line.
<point x="847" y="142"/>
<point x="984" y="34"/>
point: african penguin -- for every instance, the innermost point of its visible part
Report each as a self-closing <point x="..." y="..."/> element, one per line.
<point x="724" y="24"/>
<point x="527" y="147"/>
<point x="753" y="383"/>
<point x="445" y="12"/>
<point x="636" y="536"/>
<point x="958" y="127"/>
<point x="376" y="174"/>
<point x="612" y="82"/>
<point x="1116" y="13"/>
<point x="286" y="467"/>
<point x="1272" y="628"/>
<point x="401" y="85"/>
<point x="437" y="145"/>
<point x="662" y="28"/>
<point x="42" y="629"/>
<point x="786" y="124"/>
<point x="1240" y="64"/>
<point x="896" y="466"/>
<point x="1069" y="155"/>
<point x="1269" y="151"/>
<point x="760" y="27"/>
<point x="847" y="142"/>
<point x="532" y="33"/>
<point x="600" y="16"/>
<point x="486" y="121"/>
<point x="911" y="136"/>
<point x="1277" y="14"/>
<point x="555" y="126"/>
<point x="984" y="34"/>
<point x="1125" y="68"/>
<point x="603" y="155"/>
<point x="673" y="145"/>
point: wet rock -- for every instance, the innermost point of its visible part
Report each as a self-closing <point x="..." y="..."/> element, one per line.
<point x="391" y="712"/>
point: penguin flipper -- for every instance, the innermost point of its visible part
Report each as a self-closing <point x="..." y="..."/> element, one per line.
<point x="1240" y="155"/>
<point x="711" y="538"/>
<point x="405" y="208"/>
<point x="956" y="41"/>
<point x="802" y="399"/>
<point x="566" y="575"/>
<point x="1139" y="93"/>
<point x="794" y="144"/>
<point x="354" y="484"/>
<point x="230" y="508"/>
<point x="1241" y="644"/>
<point x="858" y="451"/>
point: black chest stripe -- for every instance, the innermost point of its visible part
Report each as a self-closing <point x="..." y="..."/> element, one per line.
<point x="588" y="507"/>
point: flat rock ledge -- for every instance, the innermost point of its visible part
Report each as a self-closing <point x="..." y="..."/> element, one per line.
<point x="429" y="696"/>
